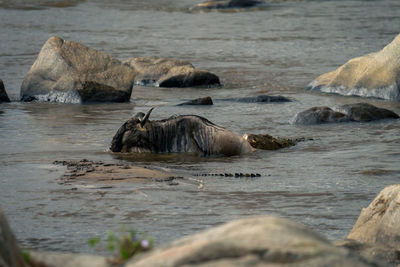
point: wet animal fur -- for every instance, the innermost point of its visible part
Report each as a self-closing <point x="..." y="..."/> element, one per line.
<point x="185" y="133"/>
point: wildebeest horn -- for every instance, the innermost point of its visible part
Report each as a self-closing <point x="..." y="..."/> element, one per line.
<point x="144" y="120"/>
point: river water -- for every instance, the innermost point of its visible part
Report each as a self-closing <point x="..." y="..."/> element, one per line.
<point x="277" y="50"/>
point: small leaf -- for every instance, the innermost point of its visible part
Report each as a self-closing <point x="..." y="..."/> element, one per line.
<point x="94" y="241"/>
<point x="111" y="247"/>
<point x="26" y="256"/>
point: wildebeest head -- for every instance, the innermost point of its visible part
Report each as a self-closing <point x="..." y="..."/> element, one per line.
<point x="132" y="131"/>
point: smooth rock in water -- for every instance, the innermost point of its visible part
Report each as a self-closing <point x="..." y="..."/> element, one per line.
<point x="317" y="115"/>
<point x="267" y="142"/>
<point x="359" y="112"/>
<point x="258" y="99"/>
<point x="10" y="254"/>
<point x="366" y="112"/>
<point x="260" y="241"/>
<point x="3" y="93"/>
<point x="224" y="4"/>
<point x="198" y="101"/>
<point x="69" y="72"/>
<point x="165" y="72"/>
<point x="373" y="75"/>
<point x="379" y="222"/>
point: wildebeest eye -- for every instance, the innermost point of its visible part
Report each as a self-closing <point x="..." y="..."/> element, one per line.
<point x="139" y="117"/>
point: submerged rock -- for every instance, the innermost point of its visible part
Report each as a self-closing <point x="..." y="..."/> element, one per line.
<point x="260" y="241"/>
<point x="166" y="72"/>
<point x="267" y="142"/>
<point x="3" y="93"/>
<point x="224" y="4"/>
<point x="69" y="72"/>
<point x="258" y="99"/>
<point x="360" y="112"/>
<point x="10" y="254"/>
<point x="198" y="101"/>
<point x="373" y="75"/>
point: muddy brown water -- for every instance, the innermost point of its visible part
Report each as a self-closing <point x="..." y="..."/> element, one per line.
<point x="277" y="49"/>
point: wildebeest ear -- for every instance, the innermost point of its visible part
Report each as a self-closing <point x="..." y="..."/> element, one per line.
<point x="143" y="122"/>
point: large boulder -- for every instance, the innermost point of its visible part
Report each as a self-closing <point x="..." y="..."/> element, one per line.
<point x="260" y="241"/>
<point x="224" y="4"/>
<point x="376" y="234"/>
<point x="373" y="75"/>
<point x="360" y="112"/>
<point x="69" y="72"/>
<point x="166" y="72"/>
<point x="10" y="255"/>
<point x="3" y="93"/>
<point x="379" y="222"/>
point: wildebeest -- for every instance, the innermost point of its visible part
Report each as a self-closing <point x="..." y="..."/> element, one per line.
<point x="184" y="133"/>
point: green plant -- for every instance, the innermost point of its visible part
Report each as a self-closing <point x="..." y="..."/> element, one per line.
<point x="123" y="246"/>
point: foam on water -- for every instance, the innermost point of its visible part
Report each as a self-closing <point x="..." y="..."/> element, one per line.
<point x="391" y="92"/>
<point x="70" y="97"/>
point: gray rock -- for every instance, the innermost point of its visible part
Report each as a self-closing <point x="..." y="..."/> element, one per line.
<point x="258" y="99"/>
<point x="360" y="112"/>
<point x="260" y="241"/>
<point x="225" y="4"/>
<point x="3" y="93"/>
<point x="373" y="75"/>
<point x="10" y="255"/>
<point x="198" y="101"/>
<point x="165" y="72"/>
<point x="366" y="112"/>
<point x="69" y="72"/>
<point x="376" y="234"/>
<point x="379" y="222"/>
<point x="318" y="115"/>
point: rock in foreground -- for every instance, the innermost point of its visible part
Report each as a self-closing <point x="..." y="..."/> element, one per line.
<point x="69" y="72"/>
<point x="373" y="75"/>
<point x="166" y="72"/>
<point x="376" y="234"/>
<point x="359" y="112"/>
<point x="3" y="93"/>
<point x="261" y="241"/>
<point x="379" y="222"/>
<point x="10" y="255"/>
